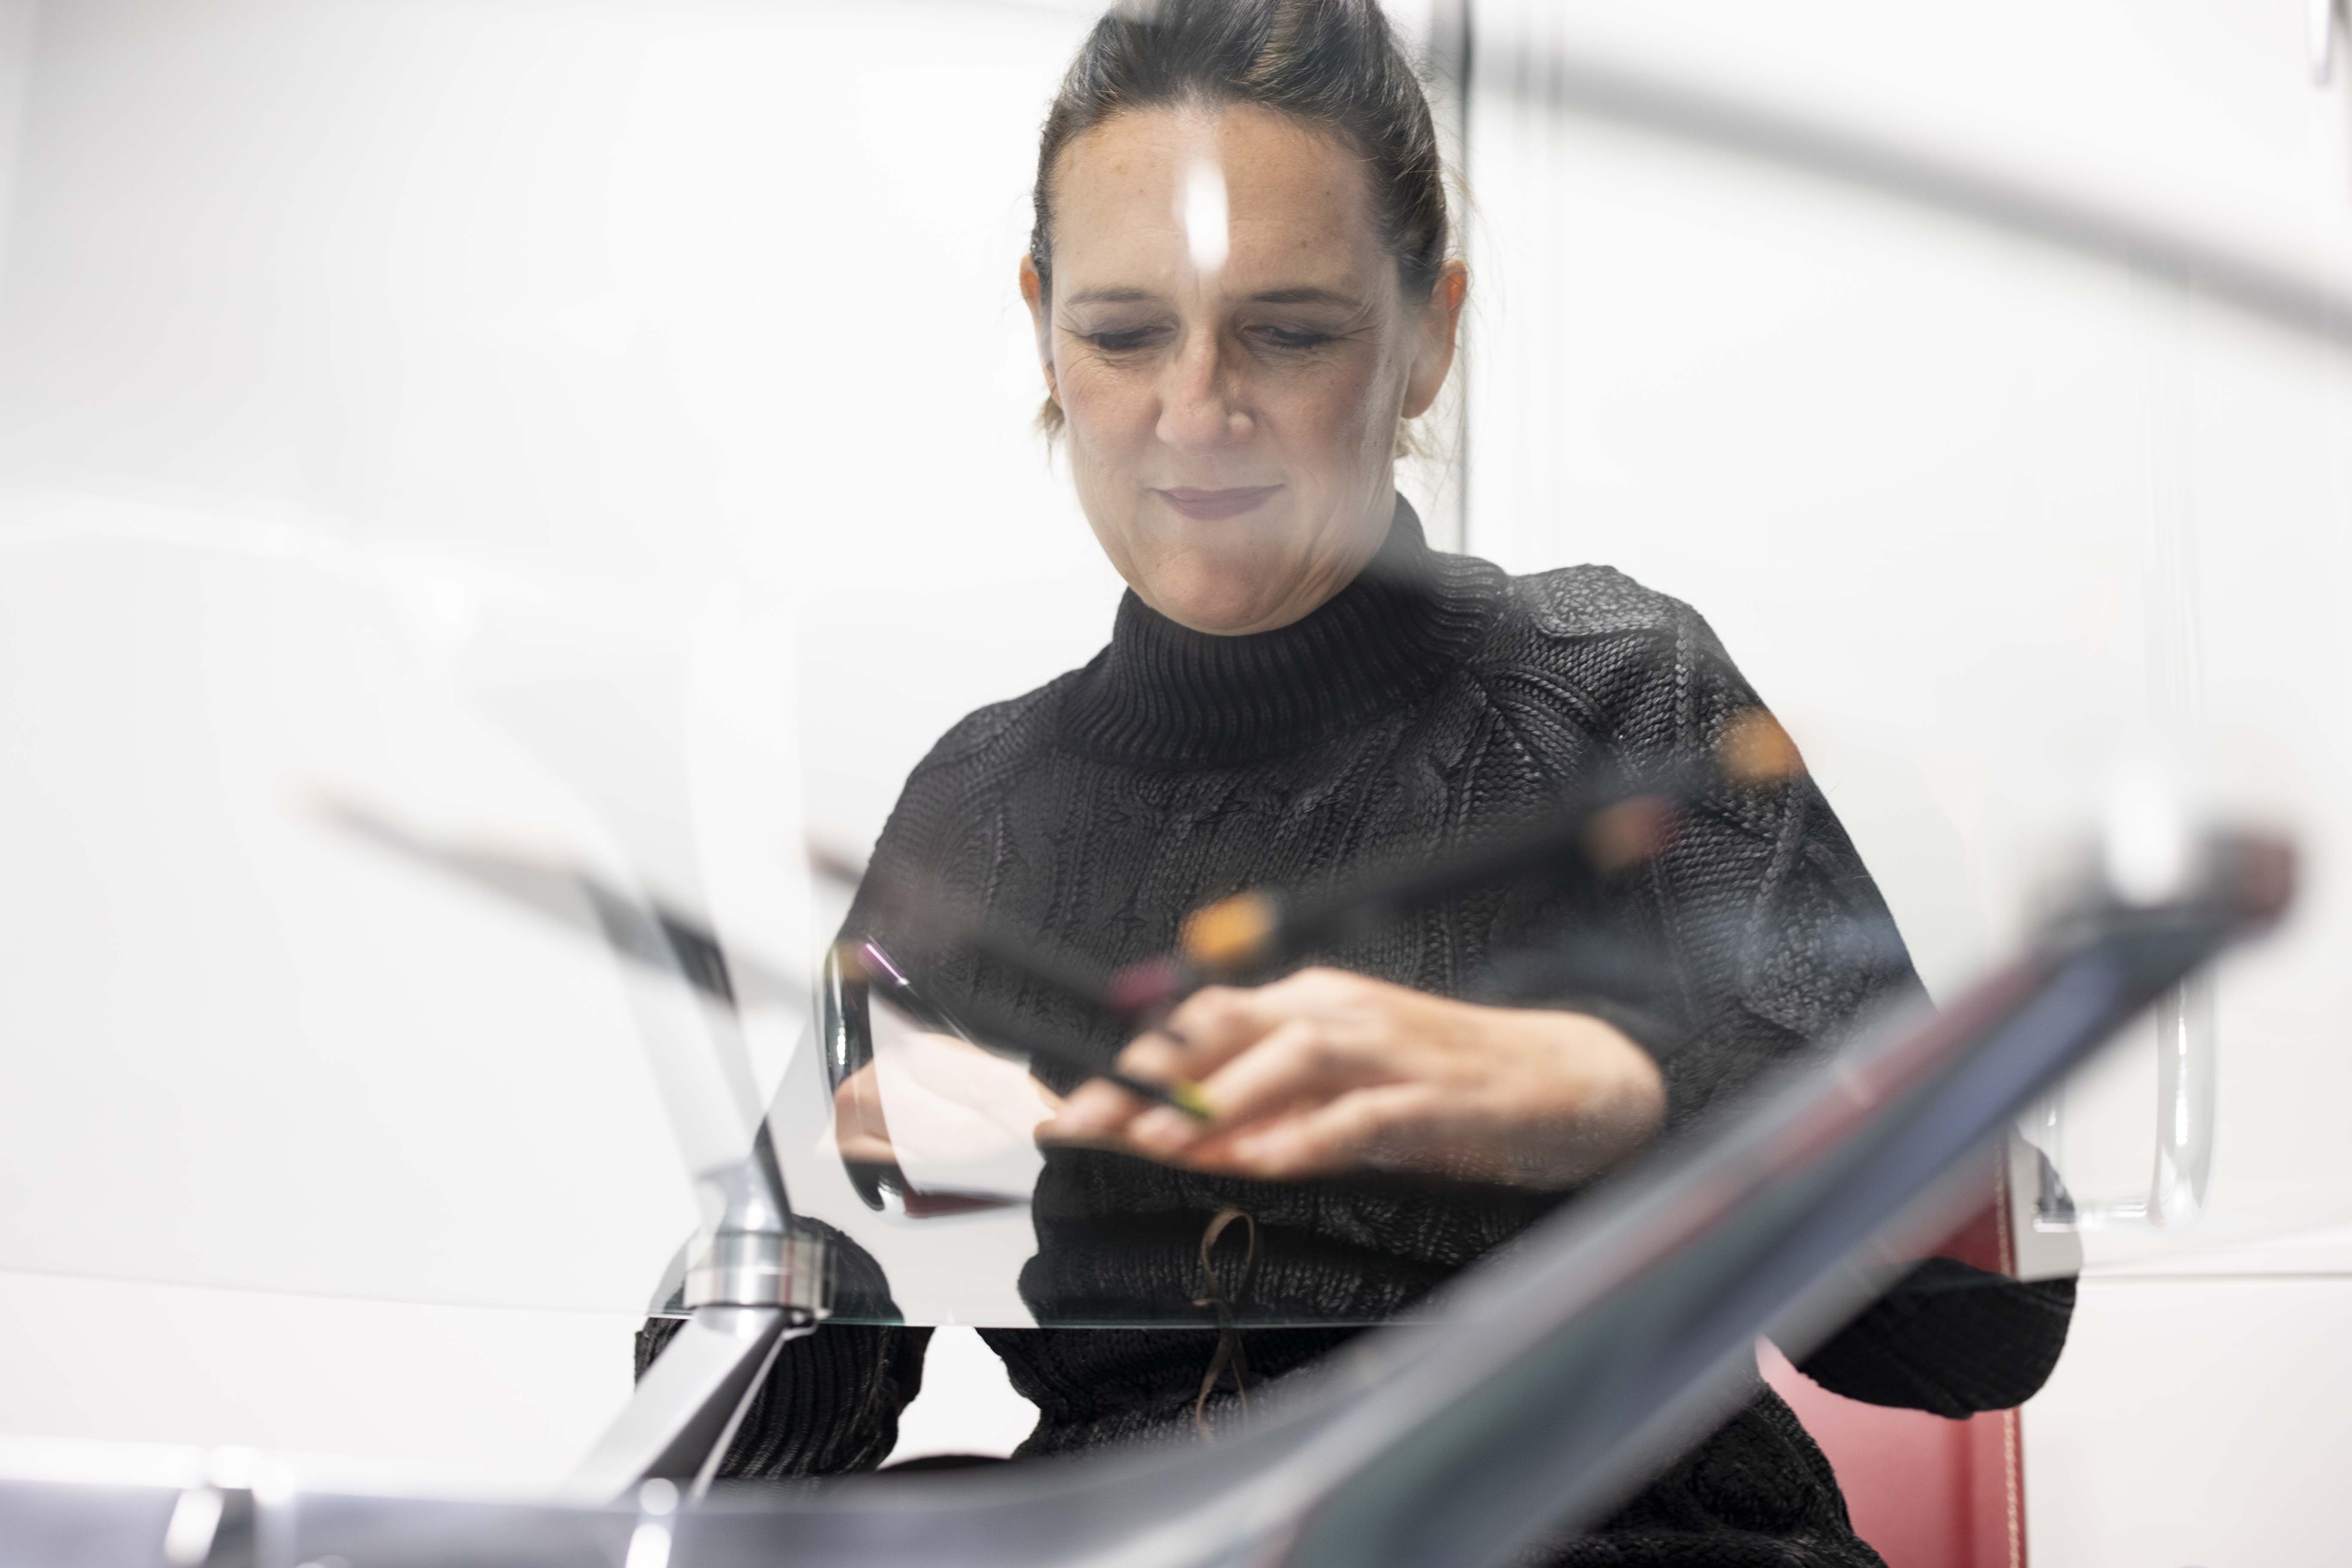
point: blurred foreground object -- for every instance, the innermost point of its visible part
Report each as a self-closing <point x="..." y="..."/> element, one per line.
<point x="1553" y="1380"/>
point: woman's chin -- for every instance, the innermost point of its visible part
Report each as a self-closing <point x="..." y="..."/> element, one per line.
<point x="1229" y="581"/>
<point x="1221" y="609"/>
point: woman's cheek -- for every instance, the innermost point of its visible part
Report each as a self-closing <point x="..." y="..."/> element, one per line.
<point x="1111" y="407"/>
<point x="1326" y="417"/>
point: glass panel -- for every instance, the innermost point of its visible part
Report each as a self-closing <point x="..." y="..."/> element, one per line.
<point x="539" y="638"/>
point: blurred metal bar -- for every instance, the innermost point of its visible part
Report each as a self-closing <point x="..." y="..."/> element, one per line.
<point x="2307" y="295"/>
<point x="2187" y="1074"/>
<point x="1551" y="1382"/>
<point x="759" y="1283"/>
<point x="1753" y="1234"/>
<point x="686" y="1407"/>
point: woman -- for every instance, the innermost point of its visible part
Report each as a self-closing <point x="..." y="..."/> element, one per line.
<point x="1242" y="291"/>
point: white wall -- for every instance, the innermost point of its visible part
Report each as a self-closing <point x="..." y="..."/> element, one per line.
<point x="601" y="428"/>
<point x="2194" y="1422"/>
<point x="1980" y="513"/>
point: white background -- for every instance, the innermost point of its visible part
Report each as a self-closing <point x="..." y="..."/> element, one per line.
<point x="1978" y="514"/>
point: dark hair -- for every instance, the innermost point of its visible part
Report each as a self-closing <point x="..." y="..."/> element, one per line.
<point x="1332" y="63"/>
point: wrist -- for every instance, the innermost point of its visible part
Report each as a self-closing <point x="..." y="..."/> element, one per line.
<point x="1605" y="1096"/>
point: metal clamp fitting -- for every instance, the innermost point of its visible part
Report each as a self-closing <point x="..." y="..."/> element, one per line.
<point x="762" y="1269"/>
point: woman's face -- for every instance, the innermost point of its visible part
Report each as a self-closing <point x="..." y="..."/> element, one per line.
<point x="1232" y="424"/>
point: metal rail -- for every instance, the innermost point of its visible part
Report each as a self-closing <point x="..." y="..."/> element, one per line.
<point x="1549" y="1383"/>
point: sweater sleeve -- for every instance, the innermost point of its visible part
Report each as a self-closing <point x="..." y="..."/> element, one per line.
<point x="1756" y="935"/>
<point x="1951" y="1339"/>
<point x="1770" y="940"/>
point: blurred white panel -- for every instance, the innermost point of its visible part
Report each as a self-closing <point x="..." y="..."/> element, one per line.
<point x="1813" y="415"/>
<point x="603" y="425"/>
<point x="16" y="21"/>
<point x="689" y="298"/>
<point x="1981" y="515"/>
<point x="2195" y="1422"/>
<point x="2121" y="121"/>
<point x="243" y="1047"/>
<point x="370" y="1394"/>
<point x="2327" y="1250"/>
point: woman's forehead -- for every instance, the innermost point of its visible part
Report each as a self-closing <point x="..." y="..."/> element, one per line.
<point x="1296" y="204"/>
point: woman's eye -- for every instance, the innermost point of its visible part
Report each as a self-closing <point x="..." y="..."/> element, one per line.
<point x="1124" y="340"/>
<point x="1297" y="339"/>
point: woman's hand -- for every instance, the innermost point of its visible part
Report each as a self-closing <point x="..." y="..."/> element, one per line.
<point x="940" y="1070"/>
<point x="1326" y="1071"/>
<point x="858" y="1126"/>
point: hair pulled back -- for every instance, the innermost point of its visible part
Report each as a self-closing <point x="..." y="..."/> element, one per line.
<point x="1332" y="63"/>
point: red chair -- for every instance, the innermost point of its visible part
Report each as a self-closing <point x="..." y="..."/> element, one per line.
<point x="1927" y="1492"/>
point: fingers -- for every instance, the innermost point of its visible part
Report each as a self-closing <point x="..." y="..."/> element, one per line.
<point x="1218" y="1022"/>
<point x="1377" y="1126"/>
<point x="1326" y="1071"/>
<point x="1210" y="1028"/>
<point x="1302" y="1061"/>
<point x="1305" y="1060"/>
<point x="1258" y="1050"/>
<point x="1097" y="1110"/>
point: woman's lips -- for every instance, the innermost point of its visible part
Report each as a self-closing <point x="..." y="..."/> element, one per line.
<point x="1210" y="506"/>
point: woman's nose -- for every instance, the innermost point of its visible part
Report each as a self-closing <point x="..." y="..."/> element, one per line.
<point x="1198" y="407"/>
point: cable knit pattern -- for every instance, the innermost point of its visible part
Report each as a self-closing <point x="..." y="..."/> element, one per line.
<point x="1952" y="1341"/>
<point x="830" y="1406"/>
<point x="1433" y="705"/>
<point x="831" y="1403"/>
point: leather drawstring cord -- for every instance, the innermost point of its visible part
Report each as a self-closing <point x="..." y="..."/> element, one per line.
<point x="1229" y="1339"/>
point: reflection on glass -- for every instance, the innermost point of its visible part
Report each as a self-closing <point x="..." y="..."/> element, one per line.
<point x="1358" y="906"/>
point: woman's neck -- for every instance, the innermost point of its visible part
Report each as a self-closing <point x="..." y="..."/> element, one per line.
<point x="1166" y="694"/>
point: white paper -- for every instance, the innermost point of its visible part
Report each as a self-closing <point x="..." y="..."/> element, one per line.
<point x="961" y="1120"/>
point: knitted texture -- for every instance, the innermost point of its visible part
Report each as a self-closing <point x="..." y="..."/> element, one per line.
<point x="831" y="1403"/>
<point x="1951" y="1339"/>
<point x="1434" y="705"/>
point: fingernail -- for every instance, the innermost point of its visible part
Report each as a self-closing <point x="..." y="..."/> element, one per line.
<point x="1070" y="1121"/>
<point x="1161" y="1128"/>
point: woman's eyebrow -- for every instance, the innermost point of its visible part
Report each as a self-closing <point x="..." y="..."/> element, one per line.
<point x="1305" y="295"/>
<point x="1299" y="294"/>
<point x="1113" y="296"/>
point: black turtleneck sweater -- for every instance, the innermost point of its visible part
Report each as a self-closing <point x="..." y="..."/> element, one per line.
<point x="1433" y="704"/>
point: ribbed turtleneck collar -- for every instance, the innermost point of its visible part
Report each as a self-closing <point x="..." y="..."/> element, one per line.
<point x="1166" y="695"/>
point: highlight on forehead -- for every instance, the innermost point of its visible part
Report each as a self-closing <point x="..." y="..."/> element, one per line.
<point x="1206" y="215"/>
<point x="1257" y="196"/>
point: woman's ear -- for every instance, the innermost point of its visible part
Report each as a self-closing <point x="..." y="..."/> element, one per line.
<point x="1033" y="294"/>
<point x="1441" y="319"/>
